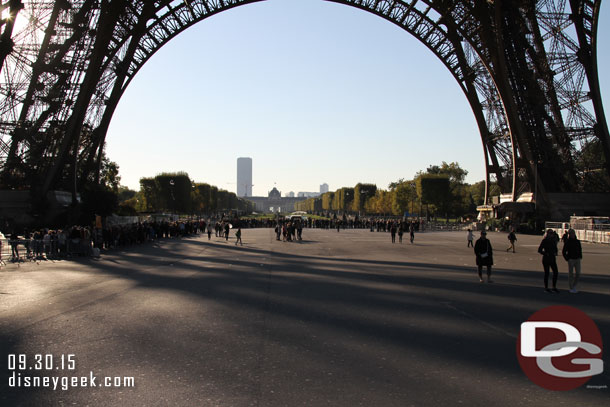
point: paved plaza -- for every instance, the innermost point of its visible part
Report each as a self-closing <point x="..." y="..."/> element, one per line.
<point x="340" y="319"/>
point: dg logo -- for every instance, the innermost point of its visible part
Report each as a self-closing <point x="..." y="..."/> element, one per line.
<point x="560" y="348"/>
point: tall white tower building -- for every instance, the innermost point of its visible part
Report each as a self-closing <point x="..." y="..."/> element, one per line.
<point x="244" y="176"/>
<point x="324" y="188"/>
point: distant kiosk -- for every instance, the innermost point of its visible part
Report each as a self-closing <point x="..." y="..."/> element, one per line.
<point x="298" y="215"/>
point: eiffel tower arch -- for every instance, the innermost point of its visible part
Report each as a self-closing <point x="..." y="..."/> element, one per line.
<point x="528" y="70"/>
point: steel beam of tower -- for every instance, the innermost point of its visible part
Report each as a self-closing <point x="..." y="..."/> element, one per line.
<point x="528" y="70"/>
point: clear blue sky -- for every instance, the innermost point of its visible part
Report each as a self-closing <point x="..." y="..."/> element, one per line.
<point x="313" y="91"/>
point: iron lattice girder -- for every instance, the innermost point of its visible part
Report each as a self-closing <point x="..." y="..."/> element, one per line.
<point x="560" y="102"/>
<point x="418" y="18"/>
<point x="41" y="72"/>
<point x="463" y="34"/>
<point x="168" y="20"/>
<point x="423" y="23"/>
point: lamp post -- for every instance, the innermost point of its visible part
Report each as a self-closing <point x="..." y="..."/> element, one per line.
<point x="171" y="192"/>
<point x="536" y="187"/>
<point x="360" y="205"/>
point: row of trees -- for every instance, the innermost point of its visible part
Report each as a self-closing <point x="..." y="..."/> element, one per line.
<point x="177" y="193"/>
<point x="440" y="190"/>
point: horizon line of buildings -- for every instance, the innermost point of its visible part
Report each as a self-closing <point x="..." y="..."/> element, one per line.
<point x="274" y="201"/>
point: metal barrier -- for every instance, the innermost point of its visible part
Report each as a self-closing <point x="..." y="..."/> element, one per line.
<point x="438" y="226"/>
<point x="15" y="250"/>
<point x="592" y="233"/>
<point x="21" y="250"/>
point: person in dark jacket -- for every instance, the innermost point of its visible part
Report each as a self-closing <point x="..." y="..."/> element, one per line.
<point x="548" y="249"/>
<point x="484" y="256"/>
<point x="572" y="252"/>
<point x="13" y="240"/>
<point x="512" y="238"/>
<point x="238" y="237"/>
<point x="412" y="232"/>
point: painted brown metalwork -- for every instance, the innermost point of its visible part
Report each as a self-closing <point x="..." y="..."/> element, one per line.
<point x="527" y="68"/>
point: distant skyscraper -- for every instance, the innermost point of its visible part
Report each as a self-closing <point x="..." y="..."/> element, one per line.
<point x="290" y="194"/>
<point x="244" y="176"/>
<point x="323" y="188"/>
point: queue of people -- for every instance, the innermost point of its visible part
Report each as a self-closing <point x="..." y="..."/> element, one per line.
<point x="47" y="243"/>
<point x="378" y="224"/>
<point x="75" y="241"/>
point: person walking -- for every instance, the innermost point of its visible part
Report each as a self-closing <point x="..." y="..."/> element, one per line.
<point x="400" y="232"/>
<point x="412" y="232"/>
<point x="512" y="238"/>
<point x="289" y="232"/>
<point x="46" y="242"/>
<point x="548" y="249"/>
<point x="227" y="227"/>
<point x="238" y="237"/>
<point x="209" y="230"/>
<point x="470" y="238"/>
<point x="484" y="256"/>
<point x="393" y="232"/>
<point x="13" y="240"/>
<point x="572" y="253"/>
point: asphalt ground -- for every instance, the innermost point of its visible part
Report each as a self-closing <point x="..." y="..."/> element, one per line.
<point x="340" y="319"/>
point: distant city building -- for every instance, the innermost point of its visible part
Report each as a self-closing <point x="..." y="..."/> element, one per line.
<point x="274" y="202"/>
<point x="244" y="176"/>
<point x="308" y="194"/>
<point x="323" y="188"/>
<point x="274" y="194"/>
<point x="290" y="194"/>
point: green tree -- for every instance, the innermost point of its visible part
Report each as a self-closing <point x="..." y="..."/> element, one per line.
<point x="223" y="200"/>
<point x="362" y="193"/>
<point x="213" y="198"/>
<point x="175" y="191"/>
<point x="477" y="192"/>
<point x="590" y="165"/>
<point x="202" y="197"/>
<point x="380" y="204"/>
<point x="404" y="196"/>
<point x="327" y="201"/>
<point x="97" y="200"/>
<point x="317" y="205"/>
<point x="149" y="196"/>
<point x="393" y="185"/>
<point x="125" y="193"/>
<point x="109" y="175"/>
<point x="456" y="174"/>
<point x="434" y="189"/>
<point x="458" y="201"/>
<point x="343" y="199"/>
